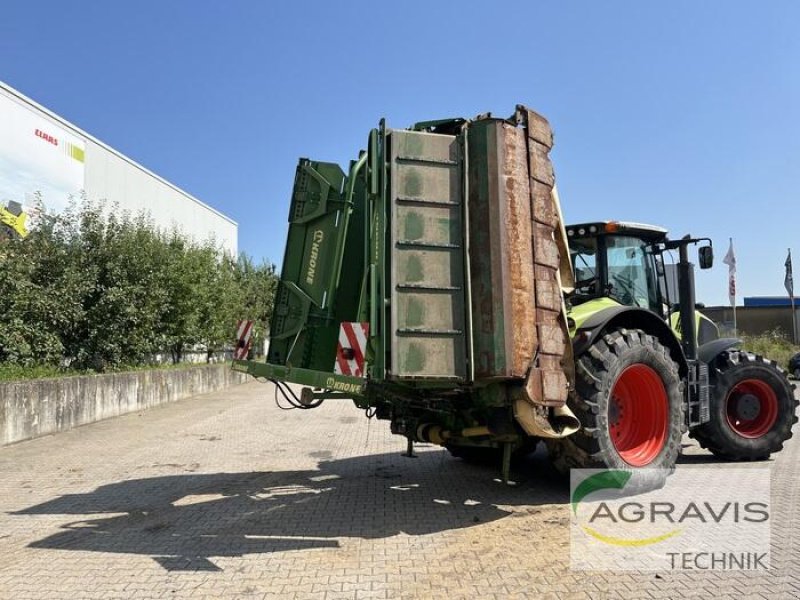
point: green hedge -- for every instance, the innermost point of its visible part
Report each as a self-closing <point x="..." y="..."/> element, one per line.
<point x="93" y="292"/>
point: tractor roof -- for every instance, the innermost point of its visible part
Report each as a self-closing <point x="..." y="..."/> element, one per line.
<point x="651" y="233"/>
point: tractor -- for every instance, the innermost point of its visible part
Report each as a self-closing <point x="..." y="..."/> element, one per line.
<point x="436" y="285"/>
<point x="635" y="363"/>
<point x="13" y="221"/>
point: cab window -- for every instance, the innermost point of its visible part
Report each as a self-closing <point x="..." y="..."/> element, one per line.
<point x="631" y="272"/>
<point x="585" y="265"/>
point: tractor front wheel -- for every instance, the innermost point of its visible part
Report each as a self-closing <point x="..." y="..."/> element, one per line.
<point x="629" y="400"/>
<point x="752" y="408"/>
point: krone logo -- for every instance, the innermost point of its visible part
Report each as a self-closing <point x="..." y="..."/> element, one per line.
<point x="316" y="240"/>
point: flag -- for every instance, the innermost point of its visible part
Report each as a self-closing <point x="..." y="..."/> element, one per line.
<point x="730" y="260"/>
<point x="788" y="280"/>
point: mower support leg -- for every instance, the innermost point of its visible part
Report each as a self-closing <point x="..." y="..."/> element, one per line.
<point x="506" y="468"/>
<point x="410" y="449"/>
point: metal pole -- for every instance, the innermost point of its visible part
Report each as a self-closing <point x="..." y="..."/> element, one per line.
<point x="789" y="283"/>
<point x="687" y="300"/>
<point x="732" y="284"/>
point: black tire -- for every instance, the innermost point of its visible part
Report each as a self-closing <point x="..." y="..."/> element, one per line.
<point x="597" y="372"/>
<point x="797" y="373"/>
<point x="728" y="434"/>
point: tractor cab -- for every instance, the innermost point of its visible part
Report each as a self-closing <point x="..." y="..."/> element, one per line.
<point x="622" y="263"/>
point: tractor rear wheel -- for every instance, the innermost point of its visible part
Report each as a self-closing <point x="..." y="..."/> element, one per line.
<point x="752" y="408"/>
<point x="629" y="400"/>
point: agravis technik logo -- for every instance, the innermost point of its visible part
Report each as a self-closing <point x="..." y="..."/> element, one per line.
<point x="605" y="480"/>
<point x="701" y="519"/>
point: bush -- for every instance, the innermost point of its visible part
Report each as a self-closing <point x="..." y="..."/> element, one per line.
<point x="774" y="345"/>
<point x="94" y="292"/>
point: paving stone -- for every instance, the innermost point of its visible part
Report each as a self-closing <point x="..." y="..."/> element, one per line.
<point x="225" y="495"/>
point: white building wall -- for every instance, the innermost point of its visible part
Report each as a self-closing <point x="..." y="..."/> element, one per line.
<point x="108" y="175"/>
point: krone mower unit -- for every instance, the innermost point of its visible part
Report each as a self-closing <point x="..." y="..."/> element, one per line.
<point x="436" y="285"/>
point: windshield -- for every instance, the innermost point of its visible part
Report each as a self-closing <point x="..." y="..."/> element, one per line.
<point x="631" y="272"/>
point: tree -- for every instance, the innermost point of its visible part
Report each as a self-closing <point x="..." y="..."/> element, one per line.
<point x="259" y="284"/>
<point x="97" y="289"/>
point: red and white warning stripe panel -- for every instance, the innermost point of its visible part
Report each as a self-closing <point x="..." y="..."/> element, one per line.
<point x="351" y="349"/>
<point x="244" y="334"/>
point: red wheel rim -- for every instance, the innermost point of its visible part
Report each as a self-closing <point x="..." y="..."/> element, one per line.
<point x="638" y="415"/>
<point x="751" y="408"/>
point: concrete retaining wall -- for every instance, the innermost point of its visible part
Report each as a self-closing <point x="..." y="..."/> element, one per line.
<point x="30" y="409"/>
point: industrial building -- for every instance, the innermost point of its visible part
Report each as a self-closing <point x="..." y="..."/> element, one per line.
<point x="45" y="161"/>
<point x="759" y="315"/>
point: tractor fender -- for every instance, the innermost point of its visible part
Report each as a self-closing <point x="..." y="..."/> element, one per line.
<point x="629" y="317"/>
<point x="711" y="350"/>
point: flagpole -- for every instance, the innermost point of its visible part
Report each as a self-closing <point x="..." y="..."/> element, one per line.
<point x="730" y="260"/>
<point x="791" y="298"/>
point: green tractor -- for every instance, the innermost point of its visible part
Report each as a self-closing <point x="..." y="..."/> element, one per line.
<point x="635" y="363"/>
<point x="435" y="285"/>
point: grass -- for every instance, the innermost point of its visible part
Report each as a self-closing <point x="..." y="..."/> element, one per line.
<point x="774" y="345"/>
<point x="11" y="372"/>
<point x="17" y="373"/>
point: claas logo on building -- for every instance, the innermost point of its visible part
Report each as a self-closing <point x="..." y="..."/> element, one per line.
<point x="13" y="221"/>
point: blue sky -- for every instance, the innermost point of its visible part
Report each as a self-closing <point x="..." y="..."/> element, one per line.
<point x="684" y="114"/>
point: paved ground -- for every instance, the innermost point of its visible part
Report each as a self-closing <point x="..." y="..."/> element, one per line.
<point x="225" y="495"/>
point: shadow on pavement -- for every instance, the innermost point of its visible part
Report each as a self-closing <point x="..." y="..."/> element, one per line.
<point x="706" y="459"/>
<point x="183" y="520"/>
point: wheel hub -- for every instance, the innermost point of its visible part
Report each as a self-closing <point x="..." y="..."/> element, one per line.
<point x="751" y="408"/>
<point x="748" y="407"/>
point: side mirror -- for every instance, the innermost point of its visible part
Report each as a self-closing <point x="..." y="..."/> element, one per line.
<point x="705" y="257"/>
